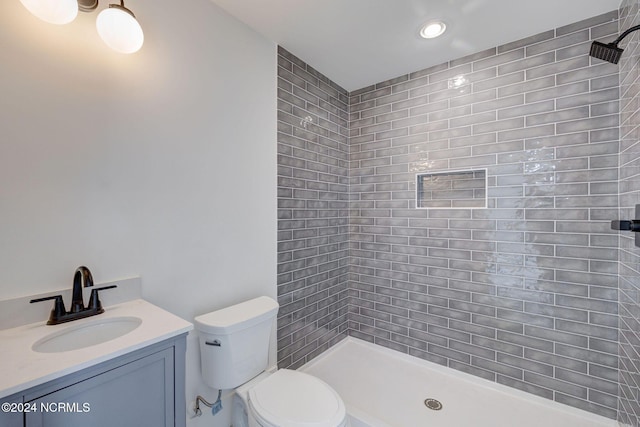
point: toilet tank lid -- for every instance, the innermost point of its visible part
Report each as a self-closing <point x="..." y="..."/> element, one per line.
<point x="237" y="317"/>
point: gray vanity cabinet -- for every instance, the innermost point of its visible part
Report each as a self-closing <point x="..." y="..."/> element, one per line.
<point x="142" y="388"/>
<point x="10" y="418"/>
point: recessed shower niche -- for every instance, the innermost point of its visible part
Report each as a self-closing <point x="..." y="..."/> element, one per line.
<point x="452" y="189"/>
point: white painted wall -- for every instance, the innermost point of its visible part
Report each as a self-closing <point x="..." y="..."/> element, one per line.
<point x="160" y="164"/>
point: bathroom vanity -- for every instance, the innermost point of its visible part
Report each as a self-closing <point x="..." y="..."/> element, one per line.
<point x="136" y="379"/>
<point x="137" y="389"/>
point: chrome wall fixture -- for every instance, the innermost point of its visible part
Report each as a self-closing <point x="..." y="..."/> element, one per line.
<point x="116" y="25"/>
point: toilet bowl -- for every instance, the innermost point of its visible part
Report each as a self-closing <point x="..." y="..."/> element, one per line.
<point x="234" y="348"/>
<point x="288" y="398"/>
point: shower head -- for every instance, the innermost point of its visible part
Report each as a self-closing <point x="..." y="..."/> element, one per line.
<point x="610" y="52"/>
<point x="607" y="52"/>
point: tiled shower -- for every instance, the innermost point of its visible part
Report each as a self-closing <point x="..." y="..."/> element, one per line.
<point x="629" y="190"/>
<point x="313" y="211"/>
<point x="528" y="292"/>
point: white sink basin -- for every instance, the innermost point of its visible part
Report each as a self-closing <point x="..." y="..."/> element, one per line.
<point x="86" y="335"/>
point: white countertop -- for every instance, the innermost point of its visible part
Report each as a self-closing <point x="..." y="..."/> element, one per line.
<point x="22" y="368"/>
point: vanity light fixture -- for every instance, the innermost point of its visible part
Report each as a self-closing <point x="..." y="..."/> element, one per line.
<point x="116" y="25"/>
<point x="119" y="29"/>
<point x="57" y="12"/>
<point x="433" y="29"/>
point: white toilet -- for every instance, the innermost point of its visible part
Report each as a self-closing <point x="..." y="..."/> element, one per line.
<point x="234" y="348"/>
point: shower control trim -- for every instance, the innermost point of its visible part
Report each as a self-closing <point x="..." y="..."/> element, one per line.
<point x="632" y="225"/>
<point x="629" y="225"/>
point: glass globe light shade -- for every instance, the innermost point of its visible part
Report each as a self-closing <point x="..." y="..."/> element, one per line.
<point x="119" y="29"/>
<point x="58" y="12"/>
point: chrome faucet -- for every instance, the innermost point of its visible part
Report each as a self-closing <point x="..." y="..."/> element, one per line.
<point x="81" y="277"/>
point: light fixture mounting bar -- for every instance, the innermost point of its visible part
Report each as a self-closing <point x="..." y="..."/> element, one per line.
<point x="87" y="5"/>
<point x="122" y="7"/>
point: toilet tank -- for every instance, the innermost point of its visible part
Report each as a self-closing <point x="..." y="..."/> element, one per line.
<point x="234" y="342"/>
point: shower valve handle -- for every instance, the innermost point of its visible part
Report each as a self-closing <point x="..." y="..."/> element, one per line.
<point x="632" y="225"/>
<point x="629" y="225"/>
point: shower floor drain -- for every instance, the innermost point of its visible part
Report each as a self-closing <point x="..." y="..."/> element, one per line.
<point x="433" y="404"/>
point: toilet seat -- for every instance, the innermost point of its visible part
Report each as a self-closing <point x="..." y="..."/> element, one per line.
<point x="290" y="398"/>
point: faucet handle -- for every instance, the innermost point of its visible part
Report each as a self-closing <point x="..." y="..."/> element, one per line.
<point x="58" y="308"/>
<point x="94" y="300"/>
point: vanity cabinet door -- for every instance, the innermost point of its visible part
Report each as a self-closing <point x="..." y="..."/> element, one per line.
<point x="140" y="393"/>
<point x="11" y="417"/>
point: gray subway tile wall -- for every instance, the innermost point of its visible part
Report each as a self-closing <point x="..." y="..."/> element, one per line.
<point x="629" y="282"/>
<point x="520" y="293"/>
<point x="525" y="292"/>
<point x="313" y="207"/>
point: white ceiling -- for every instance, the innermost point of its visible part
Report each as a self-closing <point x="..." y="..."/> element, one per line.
<point x="357" y="43"/>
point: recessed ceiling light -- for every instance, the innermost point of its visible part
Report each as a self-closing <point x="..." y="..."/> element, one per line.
<point x="433" y="29"/>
